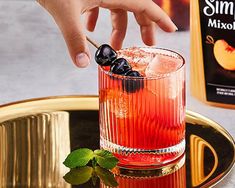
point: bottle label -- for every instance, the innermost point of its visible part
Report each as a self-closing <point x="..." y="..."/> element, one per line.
<point x="218" y="42"/>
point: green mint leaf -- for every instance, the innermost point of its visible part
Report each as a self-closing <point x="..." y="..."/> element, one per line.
<point x="78" y="158"/>
<point x="79" y="175"/>
<point x="106" y="176"/>
<point x="105" y="159"/>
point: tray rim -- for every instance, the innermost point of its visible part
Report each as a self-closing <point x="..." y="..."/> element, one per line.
<point x="37" y="105"/>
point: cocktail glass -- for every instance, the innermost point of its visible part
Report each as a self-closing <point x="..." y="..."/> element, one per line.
<point x="142" y="119"/>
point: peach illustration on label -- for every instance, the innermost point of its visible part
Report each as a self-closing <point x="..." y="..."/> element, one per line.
<point x="224" y="53"/>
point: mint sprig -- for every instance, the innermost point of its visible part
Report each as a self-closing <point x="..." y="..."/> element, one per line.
<point x="106" y="177"/>
<point x="101" y="160"/>
<point x="82" y="175"/>
<point x="82" y="156"/>
<point x="105" y="159"/>
<point x="79" y="158"/>
<point x="79" y="175"/>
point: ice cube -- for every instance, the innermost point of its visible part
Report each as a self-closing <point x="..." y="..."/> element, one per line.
<point x="162" y="64"/>
<point x="138" y="58"/>
<point x="150" y="71"/>
<point x="115" y="101"/>
<point x="161" y="67"/>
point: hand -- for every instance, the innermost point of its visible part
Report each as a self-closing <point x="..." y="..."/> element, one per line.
<point x="67" y="15"/>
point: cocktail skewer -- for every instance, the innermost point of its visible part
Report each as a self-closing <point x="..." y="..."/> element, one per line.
<point x="92" y="42"/>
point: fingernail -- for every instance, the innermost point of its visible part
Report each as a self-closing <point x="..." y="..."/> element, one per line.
<point x="82" y="60"/>
<point x="176" y="28"/>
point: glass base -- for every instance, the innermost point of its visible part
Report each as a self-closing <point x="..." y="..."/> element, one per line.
<point x="134" y="158"/>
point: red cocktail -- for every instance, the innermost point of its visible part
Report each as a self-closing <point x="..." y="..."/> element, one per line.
<point x="142" y="118"/>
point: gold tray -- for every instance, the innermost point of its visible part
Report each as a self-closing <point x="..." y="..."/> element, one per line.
<point x="36" y="136"/>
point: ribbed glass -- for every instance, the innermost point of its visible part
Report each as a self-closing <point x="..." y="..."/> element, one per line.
<point x="142" y="119"/>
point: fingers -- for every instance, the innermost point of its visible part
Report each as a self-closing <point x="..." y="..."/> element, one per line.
<point x="147" y="29"/>
<point x="92" y="16"/>
<point x="156" y="14"/>
<point x="72" y="30"/>
<point x="119" y="23"/>
<point x="70" y="24"/>
<point x="147" y="7"/>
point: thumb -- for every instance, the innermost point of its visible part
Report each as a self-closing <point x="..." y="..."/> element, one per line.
<point x="70" y="24"/>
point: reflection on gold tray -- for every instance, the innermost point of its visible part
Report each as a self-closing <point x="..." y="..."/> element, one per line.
<point x="36" y="136"/>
